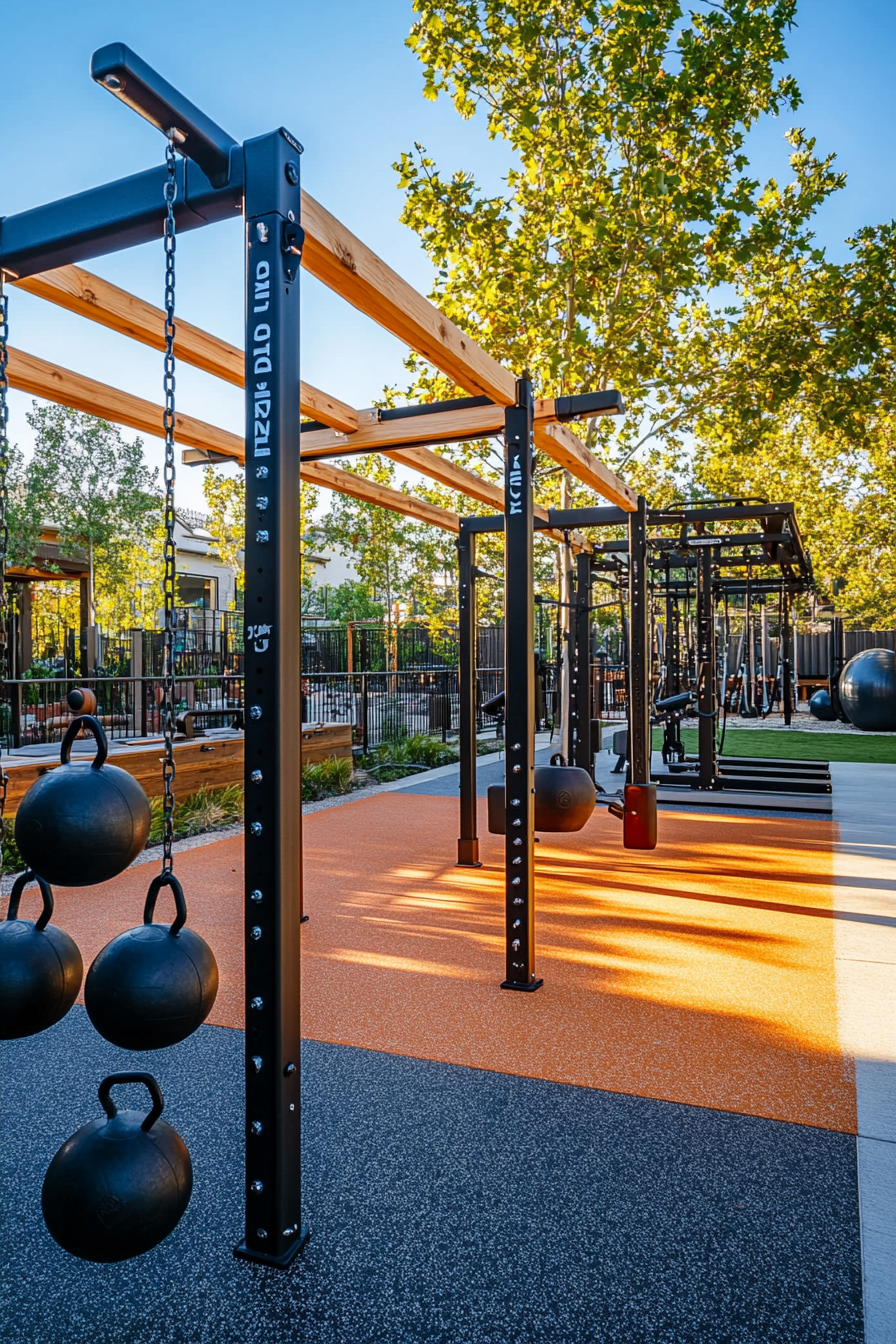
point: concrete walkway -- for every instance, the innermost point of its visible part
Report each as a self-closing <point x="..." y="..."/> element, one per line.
<point x="865" y="951"/>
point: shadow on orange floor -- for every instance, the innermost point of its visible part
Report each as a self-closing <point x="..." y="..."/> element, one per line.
<point x="700" y="973"/>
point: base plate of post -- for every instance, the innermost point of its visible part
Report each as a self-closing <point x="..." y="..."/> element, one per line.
<point x="242" y="1252"/>
<point x="526" y="989"/>
<point x="468" y="854"/>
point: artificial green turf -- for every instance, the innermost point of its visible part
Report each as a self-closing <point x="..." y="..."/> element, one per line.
<point x="800" y="744"/>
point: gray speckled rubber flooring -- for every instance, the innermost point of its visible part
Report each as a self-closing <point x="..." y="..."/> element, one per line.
<point x="445" y="1204"/>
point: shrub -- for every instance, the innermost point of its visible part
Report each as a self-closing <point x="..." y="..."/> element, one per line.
<point x="326" y="779"/>
<point x="206" y="810"/>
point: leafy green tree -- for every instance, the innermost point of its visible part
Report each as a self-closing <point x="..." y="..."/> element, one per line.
<point x="632" y="247"/>
<point x="351" y="601"/>
<point x="97" y="489"/>
<point x="630" y="198"/>
<point x="396" y="558"/>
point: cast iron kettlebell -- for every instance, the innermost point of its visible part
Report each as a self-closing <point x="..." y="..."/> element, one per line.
<point x="85" y="821"/>
<point x="40" y="967"/>
<point x="152" y="986"/>
<point x="118" y="1186"/>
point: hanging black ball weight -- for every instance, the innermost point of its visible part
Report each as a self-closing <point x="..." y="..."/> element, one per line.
<point x="40" y="967"/>
<point x="118" y="1186"/>
<point x="564" y="797"/>
<point x="153" y="985"/>
<point x="85" y="821"/>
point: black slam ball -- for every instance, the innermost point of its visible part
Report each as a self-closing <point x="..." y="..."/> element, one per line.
<point x="40" y="967"/>
<point x="85" y="821"/>
<point x="820" y="706"/>
<point x="120" y="1185"/>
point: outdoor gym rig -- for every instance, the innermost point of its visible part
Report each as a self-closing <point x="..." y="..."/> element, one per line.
<point x="285" y="230"/>
<point x="703" y="556"/>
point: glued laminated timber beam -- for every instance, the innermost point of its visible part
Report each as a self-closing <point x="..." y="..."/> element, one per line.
<point x="423" y="327"/>
<point x="209" y="443"/>
<point x="38" y="377"/>
<point x="87" y="295"/>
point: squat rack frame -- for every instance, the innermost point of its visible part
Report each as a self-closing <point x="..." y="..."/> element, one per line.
<point x="285" y="229"/>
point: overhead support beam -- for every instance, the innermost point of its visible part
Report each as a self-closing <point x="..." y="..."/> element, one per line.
<point x="89" y="296"/>
<point x="205" y="443"/>
<point x="359" y="487"/>
<point x="341" y="261"/>
<point x="570" y="452"/>
<point x="428" y="463"/>
<point x="40" y="378"/>
<point x="376" y="436"/>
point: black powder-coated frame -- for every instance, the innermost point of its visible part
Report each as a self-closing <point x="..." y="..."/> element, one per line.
<point x="519" y="695"/>
<point x="468" y="842"/>
<point x="273" y="735"/>
<point x="519" y="525"/>
<point x="707" y="671"/>
<point x="260" y="178"/>
<point x="581" y="747"/>
<point x="639" y="743"/>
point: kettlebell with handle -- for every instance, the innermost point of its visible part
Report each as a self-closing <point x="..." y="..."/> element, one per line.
<point x="120" y="1185"/>
<point x="85" y="821"/>
<point x="40" y="967"/>
<point x="152" y="986"/>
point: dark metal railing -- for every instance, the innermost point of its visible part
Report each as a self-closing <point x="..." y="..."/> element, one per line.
<point x="35" y="711"/>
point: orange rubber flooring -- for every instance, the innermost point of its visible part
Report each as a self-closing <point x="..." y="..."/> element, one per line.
<point x="702" y="972"/>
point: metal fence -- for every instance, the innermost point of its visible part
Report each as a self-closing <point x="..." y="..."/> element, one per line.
<point x="35" y="711"/>
<point x="380" y="706"/>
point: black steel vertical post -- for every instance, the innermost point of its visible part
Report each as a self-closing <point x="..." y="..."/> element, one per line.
<point x="580" y="691"/>
<point x="707" y="672"/>
<point x="836" y="660"/>
<point x="519" y="695"/>
<point x="468" y="842"/>
<point x="785" y="634"/>
<point x="639" y="743"/>
<point x="273" y="650"/>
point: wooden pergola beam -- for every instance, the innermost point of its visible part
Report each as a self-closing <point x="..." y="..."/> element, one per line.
<point x="334" y="478"/>
<point x="40" y="378"/>
<point x="567" y="449"/>
<point x="341" y="261"/>
<point x="87" y="295"/>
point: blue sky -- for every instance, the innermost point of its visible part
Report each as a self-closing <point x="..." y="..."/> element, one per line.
<point x="339" y="76"/>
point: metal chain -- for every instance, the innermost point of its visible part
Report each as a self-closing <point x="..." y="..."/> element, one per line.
<point x="4" y="533"/>
<point x="168" y="769"/>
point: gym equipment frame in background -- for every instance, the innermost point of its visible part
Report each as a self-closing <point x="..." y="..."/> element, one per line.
<point x="40" y="251"/>
<point x="519" y="525"/>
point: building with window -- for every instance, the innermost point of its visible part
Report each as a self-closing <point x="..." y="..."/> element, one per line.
<point x="204" y="581"/>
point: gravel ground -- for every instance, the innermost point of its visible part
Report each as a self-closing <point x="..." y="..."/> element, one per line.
<point x="802" y="722"/>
